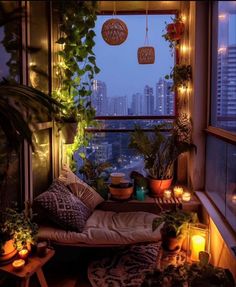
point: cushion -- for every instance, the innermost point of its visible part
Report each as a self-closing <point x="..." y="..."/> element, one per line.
<point x="106" y="228"/>
<point x="62" y="207"/>
<point x="79" y="188"/>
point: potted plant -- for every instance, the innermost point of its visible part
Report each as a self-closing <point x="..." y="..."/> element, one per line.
<point x="174" y="32"/>
<point x="160" y="151"/>
<point x="96" y="175"/>
<point x="17" y="231"/>
<point x="173" y="231"/>
<point x="190" y="275"/>
<point x="181" y="75"/>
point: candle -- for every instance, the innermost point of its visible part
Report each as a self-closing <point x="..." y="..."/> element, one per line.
<point x="186" y="196"/>
<point x="140" y="193"/>
<point x="167" y="194"/>
<point x="23" y="254"/>
<point x="18" y="264"/>
<point x="178" y="191"/>
<point x="198" y="243"/>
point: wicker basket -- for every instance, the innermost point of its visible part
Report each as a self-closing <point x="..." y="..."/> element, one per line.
<point x="114" y="32"/>
<point x="146" y="55"/>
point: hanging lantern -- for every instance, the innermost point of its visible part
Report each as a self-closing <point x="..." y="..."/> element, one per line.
<point x="114" y="31"/>
<point x="146" y="54"/>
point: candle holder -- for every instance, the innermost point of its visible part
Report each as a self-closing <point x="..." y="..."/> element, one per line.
<point x="23" y="254"/>
<point x="178" y="191"/>
<point x="186" y="196"/>
<point x="167" y="194"/>
<point x="18" y="264"/>
<point x="198" y="241"/>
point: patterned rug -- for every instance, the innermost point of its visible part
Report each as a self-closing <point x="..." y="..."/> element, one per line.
<point x="126" y="268"/>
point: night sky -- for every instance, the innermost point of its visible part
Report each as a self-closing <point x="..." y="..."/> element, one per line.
<point x="119" y="65"/>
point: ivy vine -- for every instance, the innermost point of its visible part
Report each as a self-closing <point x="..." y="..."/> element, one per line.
<point x="77" y="66"/>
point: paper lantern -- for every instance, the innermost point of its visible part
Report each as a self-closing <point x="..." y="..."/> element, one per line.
<point x="114" y="31"/>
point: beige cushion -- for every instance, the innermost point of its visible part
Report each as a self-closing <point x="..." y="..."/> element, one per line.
<point x="78" y="187"/>
<point x="107" y="228"/>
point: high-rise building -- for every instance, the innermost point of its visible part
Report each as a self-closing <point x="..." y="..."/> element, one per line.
<point x="148" y="100"/>
<point x="164" y="98"/>
<point x="137" y="104"/>
<point x="226" y="74"/>
<point x="118" y="106"/>
<point x="99" y="97"/>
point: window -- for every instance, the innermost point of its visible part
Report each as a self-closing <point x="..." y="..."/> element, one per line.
<point x="126" y="93"/>
<point x="221" y="143"/>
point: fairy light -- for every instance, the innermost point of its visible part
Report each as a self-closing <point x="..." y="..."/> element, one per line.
<point x="222" y="50"/>
<point x="222" y="16"/>
<point x="183" y="18"/>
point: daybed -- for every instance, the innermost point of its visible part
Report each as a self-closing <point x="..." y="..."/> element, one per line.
<point x="70" y="217"/>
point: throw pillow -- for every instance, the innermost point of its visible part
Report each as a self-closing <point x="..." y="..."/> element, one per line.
<point x="62" y="207"/>
<point x="81" y="189"/>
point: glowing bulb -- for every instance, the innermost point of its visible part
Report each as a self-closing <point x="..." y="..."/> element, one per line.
<point x="183" y="18"/>
<point x="222" y="50"/>
<point x="184" y="49"/>
<point x="222" y="16"/>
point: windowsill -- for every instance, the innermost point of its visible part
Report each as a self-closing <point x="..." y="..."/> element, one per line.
<point x="227" y="234"/>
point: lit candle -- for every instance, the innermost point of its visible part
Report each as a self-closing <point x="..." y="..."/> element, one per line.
<point x="23" y="254"/>
<point x="198" y="243"/>
<point x="186" y="196"/>
<point x="18" y="264"/>
<point x="167" y="193"/>
<point x="178" y="191"/>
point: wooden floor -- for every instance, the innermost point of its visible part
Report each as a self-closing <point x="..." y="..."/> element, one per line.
<point x="68" y="268"/>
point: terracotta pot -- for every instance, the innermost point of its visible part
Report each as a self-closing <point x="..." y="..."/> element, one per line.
<point x="158" y="186"/>
<point x="175" y="31"/>
<point x="170" y="243"/>
<point x="8" y="254"/>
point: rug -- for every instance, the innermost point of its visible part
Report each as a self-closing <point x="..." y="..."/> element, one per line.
<point x="125" y="268"/>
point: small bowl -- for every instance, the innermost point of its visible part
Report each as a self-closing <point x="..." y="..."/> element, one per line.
<point x="116" y="177"/>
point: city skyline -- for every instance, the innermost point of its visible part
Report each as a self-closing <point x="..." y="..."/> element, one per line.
<point x="119" y="65"/>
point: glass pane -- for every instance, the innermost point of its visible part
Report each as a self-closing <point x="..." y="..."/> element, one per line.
<point x="223" y="108"/>
<point x="221" y="177"/>
<point x="38" y="41"/>
<point x="216" y="171"/>
<point x="113" y="148"/>
<point x="125" y="87"/>
<point x="42" y="162"/>
<point x="231" y="186"/>
<point x="10" y="41"/>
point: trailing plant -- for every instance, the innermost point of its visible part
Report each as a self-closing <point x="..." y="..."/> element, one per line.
<point x="77" y="65"/>
<point x="96" y="175"/>
<point x="181" y="75"/>
<point x="160" y="150"/>
<point x="174" y="32"/>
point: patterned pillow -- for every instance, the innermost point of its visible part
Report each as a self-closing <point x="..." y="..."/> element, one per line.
<point x="62" y="207"/>
<point x="78" y="187"/>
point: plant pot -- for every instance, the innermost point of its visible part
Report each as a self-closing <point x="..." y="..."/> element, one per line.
<point x="170" y="243"/>
<point x="175" y="31"/>
<point x="121" y="193"/>
<point x="69" y="131"/>
<point x="158" y="186"/>
<point x="8" y="254"/>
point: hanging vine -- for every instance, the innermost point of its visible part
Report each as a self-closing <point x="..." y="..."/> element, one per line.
<point x="77" y="66"/>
